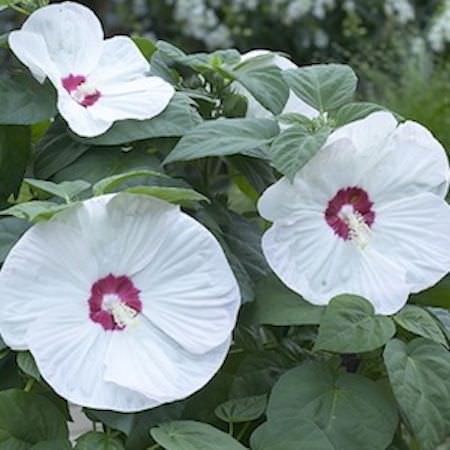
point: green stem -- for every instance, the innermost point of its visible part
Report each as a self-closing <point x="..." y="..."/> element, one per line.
<point x="231" y="428"/>
<point x="18" y="8"/>
<point x="244" y="430"/>
<point x="29" y="385"/>
<point x="154" y="447"/>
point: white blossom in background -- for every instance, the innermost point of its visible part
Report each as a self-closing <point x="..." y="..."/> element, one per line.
<point x="400" y="10"/>
<point x="98" y="81"/>
<point x="365" y="216"/>
<point x="296" y="10"/>
<point x="321" y="7"/>
<point x="439" y="33"/>
<point x="124" y="301"/>
<point x="293" y="104"/>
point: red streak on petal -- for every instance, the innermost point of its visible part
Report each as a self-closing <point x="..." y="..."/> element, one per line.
<point x="72" y="82"/>
<point x="90" y="100"/>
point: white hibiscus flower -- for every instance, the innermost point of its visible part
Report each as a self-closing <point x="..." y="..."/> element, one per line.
<point x="365" y="216"/>
<point x="99" y="81"/>
<point x="293" y="105"/>
<point x="125" y="302"/>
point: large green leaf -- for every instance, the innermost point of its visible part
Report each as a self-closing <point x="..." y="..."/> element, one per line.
<point x="243" y="409"/>
<point x="24" y="101"/>
<point x="276" y="304"/>
<point x="11" y="229"/>
<point x="419" y="375"/>
<point x="15" y="146"/>
<point x="225" y="137"/>
<point x="27" y="364"/>
<point x="293" y="148"/>
<point x="60" y="444"/>
<point x="190" y="435"/>
<point x="27" y="419"/>
<point x="349" y="325"/>
<point x="56" y="150"/>
<point x="66" y="190"/>
<point x="418" y="321"/>
<point x="438" y="295"/>
<point x="355" y="111"/>
<point x="343" y="410"/>
<point x="176" y="120"/>
<point x="176" y="195"/>
<point x="266" y="84"/>
<point x="98" y="441"/>
<point x="324" y="86"/>
<point x="35" y="211"/>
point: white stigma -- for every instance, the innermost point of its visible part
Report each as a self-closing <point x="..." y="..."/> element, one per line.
<point x="123" y="314"/>
<point x="84" y="90"/>
<point x="359" y="231"/>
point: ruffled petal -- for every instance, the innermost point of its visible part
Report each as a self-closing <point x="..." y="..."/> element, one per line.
<point x="73" y="36"/>
<point x="81" y="120"/>
<point x="70" y="352"/>
<point x="311" y="260"/>
<point x="144" y="360"/>
<point x="31" y="50"/>
<point x="49" y="266"/>
<point x="415" y="233"/>
<point x="410" y="162"/>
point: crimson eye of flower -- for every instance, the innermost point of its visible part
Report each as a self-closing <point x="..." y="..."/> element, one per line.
<point x="99" y="81"/>
<point x="130" y="302"/>
<point x="365" y="216"/>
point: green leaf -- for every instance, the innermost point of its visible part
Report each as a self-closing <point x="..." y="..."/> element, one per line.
<point x="35" y="211"/>
<point x="15" y="147"/>
<point x="293" y="148"/>
<point x="66" y="190"/>
<point x="355" y="111"/>
<point x="419" y="376"/>
<point x="351" y="412"/>
<point x="56" y="150"/>
<point x="190" y="435"/>
<point x="59" y="444"/>
<point x="225" y="137"/>
<point x="418" y="321"/>
<point x="438" y="295"/>
<point x="27" y="419"/>
<point x="25" y="101"/>
<point x="276" y="304"/>
<point x="11" y="229"/>
<point x="145" y="45"/>
<point x="176" y="120"/>
<point x="109" y="184"/>
<point x="349" y="325"/>
<point x="324" y="86"/>
<point x="179" y="196"/>
<point x="443" y="316"/>
<point x="98" y="441"/>
<point x="265" y="84"/>
<point x="26" y="363"/>
<point x="242" y="409"/>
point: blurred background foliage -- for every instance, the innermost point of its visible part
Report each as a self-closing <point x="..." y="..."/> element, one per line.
<point x="399" y="48"/>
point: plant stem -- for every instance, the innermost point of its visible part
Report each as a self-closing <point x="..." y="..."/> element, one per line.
<point x="244" y="430"/>
<point x="231" y="428"/>
<point x="29" y="385"/>
<point x="18" y="8"/>
<point x="154" y="447"/>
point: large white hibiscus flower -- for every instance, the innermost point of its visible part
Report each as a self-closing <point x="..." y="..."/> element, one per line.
<point x="293" y="104"/>
<point x="125" y="302"/>
<point x="98" y="81"/>
<point x="365" y="216"/>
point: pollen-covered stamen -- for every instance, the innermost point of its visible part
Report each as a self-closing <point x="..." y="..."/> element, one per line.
<point x="81" y="90"/>
<point x="350" y="214"/>
<point x="114" y="302"/>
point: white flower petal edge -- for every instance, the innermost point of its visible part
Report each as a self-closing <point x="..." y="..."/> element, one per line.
<point x="293" y="104"/>
<point x="365" y="216"/>
<point x="125" y="302"/>
<point x="98" y="81"/>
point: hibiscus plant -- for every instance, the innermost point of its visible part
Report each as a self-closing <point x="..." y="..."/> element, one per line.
<point x="213" y="251"/>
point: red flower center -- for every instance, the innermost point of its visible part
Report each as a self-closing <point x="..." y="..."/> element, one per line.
<point x="80" y="90"/>
<point x="350" y="205"/>
<point x="114" y="302"/>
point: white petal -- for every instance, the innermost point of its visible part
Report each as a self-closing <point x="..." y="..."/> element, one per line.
<point x="312" y="261"/>
<point x="70" y="352"/>
<point x="144" y="360"/>
<point x="31" y="50"/>
<point x="415" y="233"/>
<point x="47" y="267"/>
<point x="369" y="134"/>
<point x="140" y="99"/>
<point x="80" y="119"/>
<point x="410" y="162"/>
<point x="73" y="36"/>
